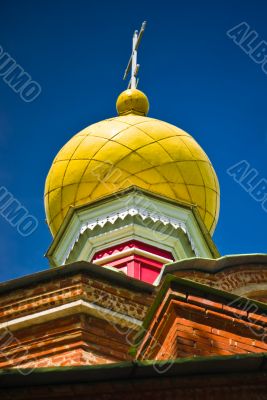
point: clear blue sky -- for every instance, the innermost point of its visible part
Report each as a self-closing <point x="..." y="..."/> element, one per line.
<point x="193" y="74"/>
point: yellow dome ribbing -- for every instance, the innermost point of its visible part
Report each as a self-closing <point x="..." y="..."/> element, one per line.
<point x="127" y="150"/>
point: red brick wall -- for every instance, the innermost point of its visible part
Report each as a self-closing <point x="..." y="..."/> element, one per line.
<point x="76" y="339"/>
<point x="189" y="325"/>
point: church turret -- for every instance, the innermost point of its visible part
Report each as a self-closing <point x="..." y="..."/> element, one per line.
<point x="131" y="192"/>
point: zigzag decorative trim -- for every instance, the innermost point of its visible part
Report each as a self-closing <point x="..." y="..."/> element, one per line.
<point x="133" y="211"/>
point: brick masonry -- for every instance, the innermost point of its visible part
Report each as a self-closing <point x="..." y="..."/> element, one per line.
<point x="203" y="324"/>
<point x="84" y="319"/>
<point x="248" y="280"/>
<point x="38" y="335"/>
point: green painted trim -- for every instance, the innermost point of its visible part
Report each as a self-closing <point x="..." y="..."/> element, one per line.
<point x="125" y="364"/>
<point x="215" y="265"/>
<point x="15" y="371"/>
<point x="193" y="366"/>
<point x="207" y="236"/>
<point x="72" y="210"/>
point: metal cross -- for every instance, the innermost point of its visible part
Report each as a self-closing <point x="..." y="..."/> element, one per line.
<point x="132" y="64"/>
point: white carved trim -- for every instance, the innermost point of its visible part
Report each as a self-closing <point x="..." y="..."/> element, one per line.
<point x="127" y="233"/>
<point x="75" y="307"/>
<point x="115" y="210"/>
<point x="144" y="214"/>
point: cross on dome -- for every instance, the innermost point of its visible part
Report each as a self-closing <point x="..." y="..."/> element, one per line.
<point x="132" y="64"/>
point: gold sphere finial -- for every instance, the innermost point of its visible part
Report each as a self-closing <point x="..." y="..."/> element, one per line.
<point x="132" y="101"/>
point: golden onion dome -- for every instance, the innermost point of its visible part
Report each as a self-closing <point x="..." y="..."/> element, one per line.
<point x="131" y="150"/>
